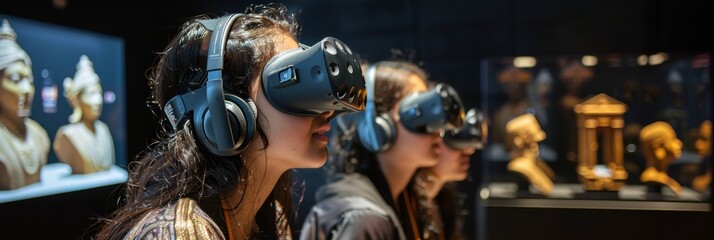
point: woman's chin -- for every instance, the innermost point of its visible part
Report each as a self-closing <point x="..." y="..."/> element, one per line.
<point x="315" y="159"/>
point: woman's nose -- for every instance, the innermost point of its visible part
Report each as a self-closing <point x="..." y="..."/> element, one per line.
<point x="437" y="137"/>
<point x="469" y="151"/>
<point x="327" y="114"/>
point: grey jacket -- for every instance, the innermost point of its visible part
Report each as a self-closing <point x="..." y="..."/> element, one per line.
<point x="351" y="208"/>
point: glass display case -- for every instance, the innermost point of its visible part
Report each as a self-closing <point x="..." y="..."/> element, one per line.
<point x="583" y="138"/>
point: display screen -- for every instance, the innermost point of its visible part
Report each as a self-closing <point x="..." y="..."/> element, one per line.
<point x="78" y="101"/>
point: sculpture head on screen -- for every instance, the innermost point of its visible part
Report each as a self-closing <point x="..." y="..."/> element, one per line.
<point x="24" y="144"/>
<point x="85" y="143"/>
<point x="84" y="92"/>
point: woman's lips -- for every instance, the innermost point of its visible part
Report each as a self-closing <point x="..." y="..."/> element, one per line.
<point x="320" y="133"/>
<point x="320" y="136"/>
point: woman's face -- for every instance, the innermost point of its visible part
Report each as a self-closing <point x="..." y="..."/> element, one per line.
<point x="91" y="102"/>
<point x="17" y="90"/>
<point x="453" y="163"/>
<point x="294" y="141"/>
<point x="416" y="148"/>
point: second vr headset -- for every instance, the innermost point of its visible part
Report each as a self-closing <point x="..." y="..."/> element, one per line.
<point x="437" y="109"/>
<point x="303" y="81"/>
<point x="471" y="135"/>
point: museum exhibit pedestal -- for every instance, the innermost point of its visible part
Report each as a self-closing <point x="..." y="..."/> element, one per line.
<point x="570" y="212"/>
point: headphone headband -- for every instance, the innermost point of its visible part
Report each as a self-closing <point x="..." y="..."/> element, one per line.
<point x="214" y="84"/>
<point x="220" y="133"/>
<point x="370" y="110"/>
<point x="369" y="131"/>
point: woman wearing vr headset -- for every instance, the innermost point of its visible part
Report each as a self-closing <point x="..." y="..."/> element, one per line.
<point x="214" y="176"/>
<point x="375" y="153"/>
<point x="438" y="203"/>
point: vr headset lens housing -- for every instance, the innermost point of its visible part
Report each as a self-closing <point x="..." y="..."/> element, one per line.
<point x="471" y="135"/>
<point x="438" y="109"/>
<point x="311" y="80"/>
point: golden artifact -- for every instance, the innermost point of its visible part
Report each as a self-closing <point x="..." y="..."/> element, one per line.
<point x="600" y="124"/>
<point x="523" y="135"/>
<point x="660" y="147"/>
<point x="24" y="144"/>
<point x="86" y="143"/>
<point x="703" y="146"/>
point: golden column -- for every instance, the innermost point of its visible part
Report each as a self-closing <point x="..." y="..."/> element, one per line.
<point x="599" y="122"/>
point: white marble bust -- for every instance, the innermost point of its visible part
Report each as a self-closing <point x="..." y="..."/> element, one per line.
<point x="86" y="143"/>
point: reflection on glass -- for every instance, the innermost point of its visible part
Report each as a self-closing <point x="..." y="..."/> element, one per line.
<point x="49" y="93"/>
<point x="515" y="82"/>
<point x="703" y="146"/>
<point x="573" y="75"/>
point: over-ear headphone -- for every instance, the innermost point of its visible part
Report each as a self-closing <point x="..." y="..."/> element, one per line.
<point x="376" y="132"/>
<point x="224" y="123"/>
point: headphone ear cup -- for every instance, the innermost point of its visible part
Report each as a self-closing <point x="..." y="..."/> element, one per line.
<point x="386" y="130"/>
<point x="380" y="136"/>
<point x="241" y="119"/>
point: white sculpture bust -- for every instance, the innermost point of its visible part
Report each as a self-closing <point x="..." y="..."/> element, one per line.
<point x="86" y="143"/>
<point x="24" y="144"/>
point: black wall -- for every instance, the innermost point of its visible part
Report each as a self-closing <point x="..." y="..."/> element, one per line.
<point x="448" y="37"/>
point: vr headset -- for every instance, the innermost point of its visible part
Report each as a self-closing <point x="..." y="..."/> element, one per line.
<point x="312" y="80"/>
<point x="471" y="135"/>
<point x="438" y="109"/>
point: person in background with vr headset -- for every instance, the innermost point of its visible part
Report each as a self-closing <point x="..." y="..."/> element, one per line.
<point x="438" y="203"/>
<point x="240" y="119"/>
<point x="374" y="154"/>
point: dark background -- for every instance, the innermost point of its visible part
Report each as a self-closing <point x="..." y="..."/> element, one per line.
<point x="449" y="38"/>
